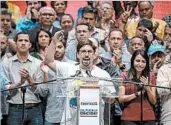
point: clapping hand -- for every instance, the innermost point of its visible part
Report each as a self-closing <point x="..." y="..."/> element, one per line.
<point x="117" y="56"/>
<point x="145" y="81"/>
<point x="24" y="75"/>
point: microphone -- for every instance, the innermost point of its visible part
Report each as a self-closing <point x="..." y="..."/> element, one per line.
<point x="88" y="72"/>
<point x="78" y="72"/>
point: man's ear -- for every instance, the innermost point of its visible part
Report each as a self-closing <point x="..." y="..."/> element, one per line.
<point x="30" y="45"/>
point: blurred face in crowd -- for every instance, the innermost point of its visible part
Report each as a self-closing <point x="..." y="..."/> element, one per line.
<point x="47" y="16"/>
<point x="3" y="40"/>
<point x="86" y="57"/>
<point x="23" y="43"/>
<point x="82" y="33"/>
<point x="43" y="39"/>
<point x="167" y="34"/>
<point x="89" y="18"/>
<point x="139" y="64"/>
<point x="130" y="4"/>
<point x="141" y="32"/>
<point x="137" y="44"/>
<point x="157" y="57"/>
<point x="106" y="11"/>
<point x="66" y="23"/>
<point x="145" y="9"/>
<point x="6" y="23"/>
<point x="60" y="7"/>
<point x="115" y="40"/>
<point x="60" y="51"/>
<point x="34" y="5"/>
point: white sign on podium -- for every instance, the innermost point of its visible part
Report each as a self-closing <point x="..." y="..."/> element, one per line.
<point x="85" y="101"/>
<point x="89" y="105"/>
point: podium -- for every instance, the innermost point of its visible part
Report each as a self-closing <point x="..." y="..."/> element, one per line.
<point x="85" y="100"/>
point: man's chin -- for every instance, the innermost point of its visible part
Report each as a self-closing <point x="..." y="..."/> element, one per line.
<point x="86" y="63"/>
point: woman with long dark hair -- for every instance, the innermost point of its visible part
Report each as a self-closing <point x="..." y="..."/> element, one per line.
<point x="42" y="41"/>
<point x="134" y="110"/>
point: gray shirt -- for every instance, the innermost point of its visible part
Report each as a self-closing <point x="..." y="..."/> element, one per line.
<point x="11" y="69"/>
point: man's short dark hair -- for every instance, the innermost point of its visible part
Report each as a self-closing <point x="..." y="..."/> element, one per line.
<point x="83" y="23"/>
<point x="22" y="32"/>
<point x="5" y="11"/>
<point x="146" y="23"/>
<point x="88" y="42"/>
<point x="116" y="29"/>
<point x="89" y="9"/>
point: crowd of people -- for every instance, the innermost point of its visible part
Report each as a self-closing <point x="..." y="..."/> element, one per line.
<point x="107" y="40"/>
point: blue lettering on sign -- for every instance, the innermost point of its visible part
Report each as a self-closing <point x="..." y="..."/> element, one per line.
<point x="88" y="112"/>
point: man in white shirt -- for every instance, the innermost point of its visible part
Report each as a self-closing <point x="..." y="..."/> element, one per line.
<point x="85" y="54"/>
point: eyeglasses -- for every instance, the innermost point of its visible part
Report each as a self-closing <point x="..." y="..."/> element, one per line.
<point x="85" y="52"/>
<point x="47" y="14"/>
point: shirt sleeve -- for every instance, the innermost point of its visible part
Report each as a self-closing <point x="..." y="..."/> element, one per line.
<point x="163" y="79"/>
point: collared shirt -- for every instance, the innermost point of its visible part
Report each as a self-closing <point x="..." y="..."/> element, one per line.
<point x="4" y="104"/>
<point x="56" y="23"/>
<point x="164" y="79"/>
<point x="55" y="98"/>
<point x="11" y="69"/>
<point x="4" y="58"/>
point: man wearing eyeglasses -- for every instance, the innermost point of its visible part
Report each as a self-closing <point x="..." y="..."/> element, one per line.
<point x="85" y="54"/>
<point x="46" y="19"/>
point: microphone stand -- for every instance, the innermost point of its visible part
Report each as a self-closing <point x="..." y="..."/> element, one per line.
<point x="141" y="116"/>
<point x="23" y="89"/>
<point x="82" y="78"/>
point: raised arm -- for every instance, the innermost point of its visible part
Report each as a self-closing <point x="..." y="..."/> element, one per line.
<point x="50" y="50"/>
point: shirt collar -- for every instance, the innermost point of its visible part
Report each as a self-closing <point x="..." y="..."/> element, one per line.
<point x="30" y="58"/>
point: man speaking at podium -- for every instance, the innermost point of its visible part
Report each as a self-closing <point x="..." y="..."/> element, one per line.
<point x="85" y="68"/>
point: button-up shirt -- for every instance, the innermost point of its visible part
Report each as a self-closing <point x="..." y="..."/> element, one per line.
<point x="11" y="69"/>
<point x="164" y="79"/>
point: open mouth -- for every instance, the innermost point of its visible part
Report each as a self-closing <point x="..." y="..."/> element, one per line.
<point x="86" y="59"/>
